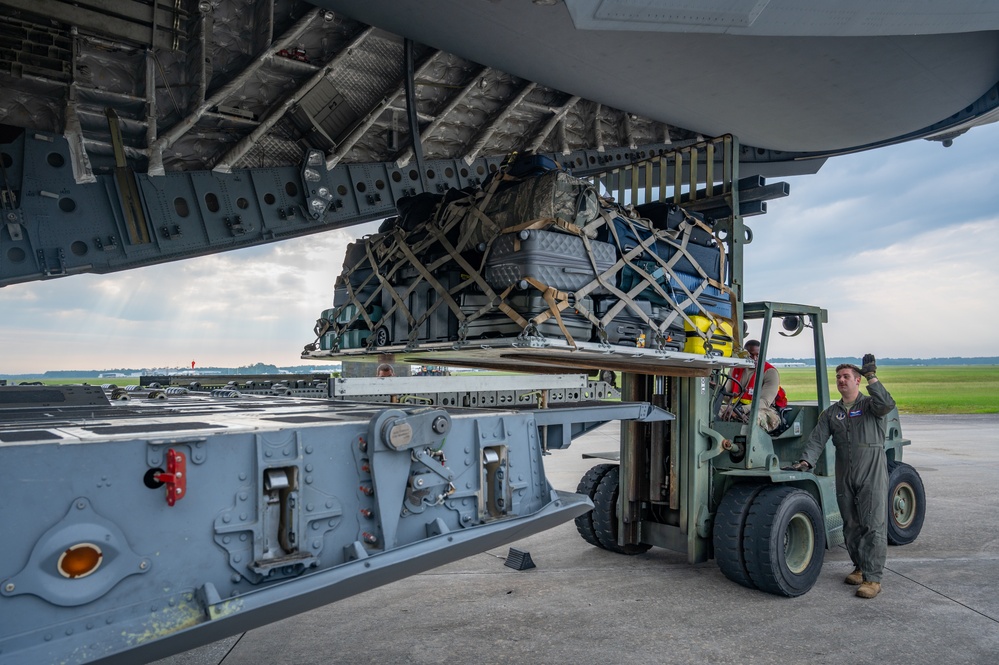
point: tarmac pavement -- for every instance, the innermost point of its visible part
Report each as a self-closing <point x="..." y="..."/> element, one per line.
<point x="939" y="604"/>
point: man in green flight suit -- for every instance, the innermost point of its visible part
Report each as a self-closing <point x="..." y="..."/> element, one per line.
<point x="856" y="424"/>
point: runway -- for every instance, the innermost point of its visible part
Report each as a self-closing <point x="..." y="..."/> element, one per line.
<point x="939" y="604"/>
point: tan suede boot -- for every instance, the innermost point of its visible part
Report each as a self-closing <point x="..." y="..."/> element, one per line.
<point x="855" y="578"/>
<point x="869" y="589"/>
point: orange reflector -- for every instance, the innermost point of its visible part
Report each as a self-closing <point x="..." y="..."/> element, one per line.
<point x="80" y="560"/>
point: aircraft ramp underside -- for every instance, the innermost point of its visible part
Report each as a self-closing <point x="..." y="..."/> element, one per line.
<point x="144" y="137"/>
<point x="57" y="227"/>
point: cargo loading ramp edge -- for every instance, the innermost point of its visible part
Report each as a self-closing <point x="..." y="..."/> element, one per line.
<point x="541" y="355"/>
<point x="268" y="506"/>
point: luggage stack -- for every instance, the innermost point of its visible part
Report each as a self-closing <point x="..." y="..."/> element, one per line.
<point x="533" y="254"/>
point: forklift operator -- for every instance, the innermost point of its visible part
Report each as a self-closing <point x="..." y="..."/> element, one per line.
<point x="772" y="397"/>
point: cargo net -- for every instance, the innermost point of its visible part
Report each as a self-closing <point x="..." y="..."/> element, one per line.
<point x="534" y="253"/>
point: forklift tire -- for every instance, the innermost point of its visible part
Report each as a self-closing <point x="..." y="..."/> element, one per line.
<point x="588" y="486"/>
<point x="784" y="541"/>
<point x="605" y="515"/>
<point x="730" y="524"/>
<point x="906" y="503"/>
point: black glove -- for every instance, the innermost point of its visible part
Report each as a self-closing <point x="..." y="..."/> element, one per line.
<point x="870" y="367"/>
<point x="800" y="465"/>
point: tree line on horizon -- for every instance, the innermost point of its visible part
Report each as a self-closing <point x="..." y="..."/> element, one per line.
<point x="837" y="360"/>
<point x="265" y="368"/>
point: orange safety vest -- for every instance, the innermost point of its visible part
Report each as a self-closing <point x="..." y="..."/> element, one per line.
<point x="747" y="395"/>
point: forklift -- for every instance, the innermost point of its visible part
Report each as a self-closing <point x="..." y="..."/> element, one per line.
<point x="715" y="488"/>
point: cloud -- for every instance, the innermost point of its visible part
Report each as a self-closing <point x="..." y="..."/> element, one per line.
<point x="230" y="309"/>
<point x="919" y="294"/>
<point x="897" y="243"/>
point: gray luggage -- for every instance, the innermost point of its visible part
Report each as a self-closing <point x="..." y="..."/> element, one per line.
<point x="555" y="259"/>
<point x="495" y="323"/>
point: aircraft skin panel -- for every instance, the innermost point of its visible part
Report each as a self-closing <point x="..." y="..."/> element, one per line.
<point x="786" y="18"/>
<point x="784" y="93"/>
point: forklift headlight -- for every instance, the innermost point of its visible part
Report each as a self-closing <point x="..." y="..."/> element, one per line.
<point x="793" y="324"/>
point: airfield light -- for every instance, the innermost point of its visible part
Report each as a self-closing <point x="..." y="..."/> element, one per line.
<point x="80" y="560"/>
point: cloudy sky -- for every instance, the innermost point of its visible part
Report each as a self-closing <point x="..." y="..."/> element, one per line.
<point x="899" y="244"/>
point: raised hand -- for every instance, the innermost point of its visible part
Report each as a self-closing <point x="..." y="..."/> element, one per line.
<point x="870" y="367"/>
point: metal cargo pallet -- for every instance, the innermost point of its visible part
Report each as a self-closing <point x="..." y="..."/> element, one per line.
<point x="542" y="355"/>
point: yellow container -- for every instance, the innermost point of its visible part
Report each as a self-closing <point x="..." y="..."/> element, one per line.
<point x="719" y="343"/>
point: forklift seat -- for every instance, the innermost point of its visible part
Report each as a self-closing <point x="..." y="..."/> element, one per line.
<point x="785" y="422"/>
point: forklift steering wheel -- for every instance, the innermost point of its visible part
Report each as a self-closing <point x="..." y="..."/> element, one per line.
<point x="722" y="393"/>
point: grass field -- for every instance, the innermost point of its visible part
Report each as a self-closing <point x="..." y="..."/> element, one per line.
<point x="938" y="389"/>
